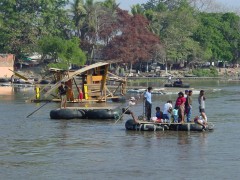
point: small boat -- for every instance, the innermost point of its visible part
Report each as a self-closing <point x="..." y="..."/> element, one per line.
<point x="4" y="80"/>
<point x="152" y="126"/>
<point x="184" y="85"/>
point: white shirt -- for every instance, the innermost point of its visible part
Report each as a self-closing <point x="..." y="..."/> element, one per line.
<point x="148" y="96"/>
<point x="166" y="108"/>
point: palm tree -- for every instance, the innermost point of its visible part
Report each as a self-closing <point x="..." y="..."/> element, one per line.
<point x="79" y="14"/>
<point x="89" y="17"/>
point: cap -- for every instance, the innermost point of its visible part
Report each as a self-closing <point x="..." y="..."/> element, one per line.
<point x="186" y="90"/>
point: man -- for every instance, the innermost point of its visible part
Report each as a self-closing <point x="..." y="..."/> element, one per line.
<point x="186" y="93"/>
<point x="148" y="103"/>
<point x="167" y="109"/>
<point x="62" y="90"/>
<point x="188" y="105"/>
<point x="201" y="121"/>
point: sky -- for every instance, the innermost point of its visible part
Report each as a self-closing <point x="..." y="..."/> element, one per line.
<point x="126" y="4"/>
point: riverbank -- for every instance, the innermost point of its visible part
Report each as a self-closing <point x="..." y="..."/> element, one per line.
<point x="40" y="72"/>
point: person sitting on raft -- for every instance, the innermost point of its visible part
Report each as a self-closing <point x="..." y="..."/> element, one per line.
<point x="132" y="102"/>
<point x="159" y="116"/>
<point x="178" y="82"/>
<point x="201" y="121"/>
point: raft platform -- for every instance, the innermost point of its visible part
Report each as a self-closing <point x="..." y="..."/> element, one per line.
<point x="152" y="126"/>
<point x="100" y="113"/>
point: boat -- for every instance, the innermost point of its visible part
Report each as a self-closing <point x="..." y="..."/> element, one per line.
<point x="152" y="126"/>
<point x="4" y="80"/>
<point x="175" y="84"/>
<point x="99" y="100"/>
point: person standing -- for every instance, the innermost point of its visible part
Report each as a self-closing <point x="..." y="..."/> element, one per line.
<point x="186" y="93"/>
<point x="62" y="90"/>
<point x="175" y="115"/>
<point x="80" y="95"/>
<point x="201" y="101"/>
<point x="167" y="109"/>
<point x="170" y="78"/>
<point x="148" y="103"/>
<point x="180" y="105"/>
<point x="188" y="106"/>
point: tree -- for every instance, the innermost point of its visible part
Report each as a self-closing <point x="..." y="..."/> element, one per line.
<point x="64" y="52"/>
<point x="219" y="34"/>
<point x="174" y="22"/>
<point x="25" y="22"/>
<point x="91" y="20"/>
<point x="133" y="40"/>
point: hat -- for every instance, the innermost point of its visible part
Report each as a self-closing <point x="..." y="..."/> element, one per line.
<point x="132" y="99"/>
<point x="186" y="90"/>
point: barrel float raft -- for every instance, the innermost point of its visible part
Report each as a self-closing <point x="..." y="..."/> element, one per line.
<point x="85" y="113"/>
<point x="151" y="126"/>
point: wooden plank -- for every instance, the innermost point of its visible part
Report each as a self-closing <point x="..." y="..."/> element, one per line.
<point x="150" y="122"/>
<point x="93" y="85"/>
<point x="19" y="75"/>
<point x="94" y="93"/>
<point x="96" y="78"/>
<point x="94" y="107"/>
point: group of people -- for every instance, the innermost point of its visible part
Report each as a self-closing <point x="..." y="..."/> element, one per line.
<point x="177" y="82"/>
<point x="62" y="91"/>
<point x="179" y="112"/>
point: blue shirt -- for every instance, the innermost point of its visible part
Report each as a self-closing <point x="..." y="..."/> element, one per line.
<point x="148" y="97"/>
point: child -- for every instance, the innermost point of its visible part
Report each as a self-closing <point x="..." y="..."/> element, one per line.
<point x="159" y="116"/>
<point x="80" y="95"/>
<point x="175" y="115"/>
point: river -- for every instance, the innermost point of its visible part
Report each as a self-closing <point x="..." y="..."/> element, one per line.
<point x="40" y="148"/>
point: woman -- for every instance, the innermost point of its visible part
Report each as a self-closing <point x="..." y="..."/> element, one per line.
<point x="201" y="101"/>
<point x="180" y="105"/>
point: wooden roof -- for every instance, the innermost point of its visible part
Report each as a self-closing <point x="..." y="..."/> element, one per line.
<point x="80" y="71"/>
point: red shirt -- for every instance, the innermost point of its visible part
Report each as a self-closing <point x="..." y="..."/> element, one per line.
<point x="180" y="100"/>
<point x="80" y="96"/>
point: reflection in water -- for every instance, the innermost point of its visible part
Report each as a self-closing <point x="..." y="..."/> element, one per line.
<point x="63" y="134"/>
<point x="6" y="92"/>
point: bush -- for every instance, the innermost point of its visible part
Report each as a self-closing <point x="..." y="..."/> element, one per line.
<point x="211" y="72"/>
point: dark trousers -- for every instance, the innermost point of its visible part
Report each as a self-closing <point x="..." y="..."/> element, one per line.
<point x="148" y="110"/>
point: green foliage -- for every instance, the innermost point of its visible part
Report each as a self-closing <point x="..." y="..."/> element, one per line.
<point x="211" y="72"/>
<point x="174" y="22"/>
<point x="25" y="22"/>
<point x="64" y="52"/>
<point x="218" y="33"/>
<point x="185" y="33"/>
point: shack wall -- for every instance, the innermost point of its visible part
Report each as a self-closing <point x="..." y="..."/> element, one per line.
<point x="6" y="63"/>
